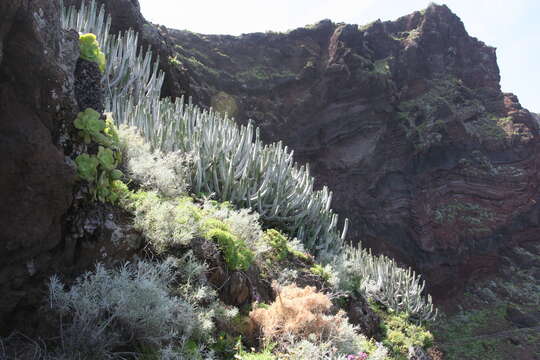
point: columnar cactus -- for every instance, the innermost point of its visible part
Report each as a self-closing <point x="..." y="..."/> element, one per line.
<point x="231" y="161"/>
<point x="382" y="280"/>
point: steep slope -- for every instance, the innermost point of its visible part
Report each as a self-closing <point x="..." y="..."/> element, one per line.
<point x="433" y="162"/>
<point x="404" y="120"/>
<point x="197" y="260"/>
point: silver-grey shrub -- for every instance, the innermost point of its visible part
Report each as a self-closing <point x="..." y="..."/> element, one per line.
<point x="168" y="173"/>
<point x="107" y="309"/>
<point x="165" y="223"/>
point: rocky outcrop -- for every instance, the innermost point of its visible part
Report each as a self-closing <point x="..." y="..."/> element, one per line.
<point x="46" y="226"/>
<point x="36" y="86"/>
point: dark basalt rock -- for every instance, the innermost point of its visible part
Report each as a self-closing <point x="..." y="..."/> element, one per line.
<point x="45" y="225"/>
<point x="36" y="88"/>
<point x="88" y="89"/>
<point x="521" y="319"/>
<point x="360" y="314"/>
<point x="234" y="287"/>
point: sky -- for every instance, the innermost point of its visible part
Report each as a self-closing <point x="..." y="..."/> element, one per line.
<point x="512" y="26"/>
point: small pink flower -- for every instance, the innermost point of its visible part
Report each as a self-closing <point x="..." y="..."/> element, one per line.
<point x="360" y="356"/>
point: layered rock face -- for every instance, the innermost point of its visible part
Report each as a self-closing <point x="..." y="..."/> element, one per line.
<point x="404" y="120"/>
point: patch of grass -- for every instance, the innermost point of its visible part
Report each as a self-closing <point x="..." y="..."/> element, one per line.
<point x="263" y="73"/>
<point x="196" y="65"/>
<point x="265" y="354"/>
<point x="469" y="213"/>
<point x="174" y="61"/>
<point x="470" y="323"/>
<point x="492" y="127"/>
<point x="225" y="345"/>
<point x="278" y="242"/>
<point x="281" y="245"/>
<point x="445" y="99"/>
<point x="466" y="335"/>
<point x="382" y="66"/>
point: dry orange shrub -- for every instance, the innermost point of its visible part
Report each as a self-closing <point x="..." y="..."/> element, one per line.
<point x="298" y="312"/>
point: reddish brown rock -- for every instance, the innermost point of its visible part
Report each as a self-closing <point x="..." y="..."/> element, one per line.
<point x="361" y="315"/>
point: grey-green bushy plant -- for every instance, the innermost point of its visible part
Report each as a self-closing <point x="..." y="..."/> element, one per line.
<point x="326" y="350"/>
<point x="106" y="309"/>
<point x="316" y="350"/>
<point x="166" y="306"/>
<point x="195" y="289"/>
<point x="171" y="223"/>
<point x="379" y="278"/>
<point x="243" y="223"/>
<point x="167" y="173"/>
<point x="166" y="223"/>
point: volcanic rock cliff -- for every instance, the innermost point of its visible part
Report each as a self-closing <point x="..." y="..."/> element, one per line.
<point x="404" y="120"/>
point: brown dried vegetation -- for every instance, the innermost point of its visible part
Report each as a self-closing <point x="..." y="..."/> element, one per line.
<point x="297" y="312"/>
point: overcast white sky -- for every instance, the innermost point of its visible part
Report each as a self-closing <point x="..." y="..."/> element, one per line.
<point x="512" y="26"/>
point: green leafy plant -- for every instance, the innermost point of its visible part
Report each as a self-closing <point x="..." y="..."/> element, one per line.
<point x="89" y="124"/>
<point x="92" y="128"/>
<point x="235" y="251"/>
<point x="225" y="345"/>
<point x="282" y="245"/>
<point x="90" y="50"/>
<point x="264" y="354"/>
<point x="87" y="167"/>
<point x="100" y="170"/>
<point x="278" y="242"/>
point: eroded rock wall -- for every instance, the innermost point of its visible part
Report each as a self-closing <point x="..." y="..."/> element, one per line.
<point x="36" y="85"/>
<point x="47" y="225"/>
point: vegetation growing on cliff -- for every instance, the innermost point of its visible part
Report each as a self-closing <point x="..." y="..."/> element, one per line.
<point x="99" y="169"/>
<point x="91" y="51"/>
<point x="204" y="191"/>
